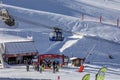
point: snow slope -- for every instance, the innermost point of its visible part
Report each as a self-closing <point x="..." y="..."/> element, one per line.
<point x="101" y="40"/>
<point x="18" y="72"/>
<point x="96" y="33"/>
<point x="71" y="7"/>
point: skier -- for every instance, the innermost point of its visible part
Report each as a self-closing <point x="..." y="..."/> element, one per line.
<point x="37" y="67"/>
<point x="54" y="66"/>
<point x="57" y="66"/>
<point x="27" y="65"/>
<point x="49" y="64"/>
<point x="40" y="66"/>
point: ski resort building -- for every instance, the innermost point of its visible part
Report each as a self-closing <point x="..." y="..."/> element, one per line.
<point x="77" y="61"/>
<point x="15" y="50"/>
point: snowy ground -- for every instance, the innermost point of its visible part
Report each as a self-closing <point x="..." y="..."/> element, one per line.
<point x="66" y="14"/>
<point x="67" y="73"/>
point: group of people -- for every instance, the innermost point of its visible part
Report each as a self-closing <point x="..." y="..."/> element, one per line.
<point x="50" y="65"/>
<point x="54" y="65"/>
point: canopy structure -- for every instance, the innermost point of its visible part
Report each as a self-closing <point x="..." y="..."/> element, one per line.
<point x="53" y="56"/>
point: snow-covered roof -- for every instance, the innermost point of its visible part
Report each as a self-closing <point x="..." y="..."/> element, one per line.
<point x="19" y="47"/>
<point x="10" y="38"/>
<point x="16" y="44"/>
<point x="72" y="58"/>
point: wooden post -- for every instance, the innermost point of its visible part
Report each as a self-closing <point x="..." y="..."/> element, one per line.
<point x="100" y="19"/>
<point x="117" y="22"/>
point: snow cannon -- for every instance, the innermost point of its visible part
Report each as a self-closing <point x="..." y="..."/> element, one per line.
<point x="81" y="68"/>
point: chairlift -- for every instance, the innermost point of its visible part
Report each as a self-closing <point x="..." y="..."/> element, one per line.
<point x="6" y="18"/>
<point x="56" y="35"/>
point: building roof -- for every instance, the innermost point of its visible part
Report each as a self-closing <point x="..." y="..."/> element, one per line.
<point x="73" y="58"/>
<point x="19" y="47"/>
<point x="11" y="44"/>
<point x="4" y="38"/>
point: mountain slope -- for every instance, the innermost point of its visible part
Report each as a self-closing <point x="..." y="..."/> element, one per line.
<point x="96" y="33"/>
<point x="73" y="7"/>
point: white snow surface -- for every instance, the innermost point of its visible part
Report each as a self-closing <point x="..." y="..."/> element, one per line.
<point x="5" y="38"/>
<point x="38" y="17"/>
<point x="18" y="72"/>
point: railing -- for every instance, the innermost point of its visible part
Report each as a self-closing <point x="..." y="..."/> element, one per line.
<point x="101" y="20"/>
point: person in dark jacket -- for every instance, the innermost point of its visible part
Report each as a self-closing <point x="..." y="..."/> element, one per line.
<point x="57" y="66"/>
<point x="49" y="64"/>
<point x="27" y="65"/>
<point x="37" y="67"/>
<point x="54" y="66"/>
<point x="41" y="63"/>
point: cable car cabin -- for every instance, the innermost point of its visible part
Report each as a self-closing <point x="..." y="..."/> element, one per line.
<point x="6" y="18"/>
<point x="56" y="35"/>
